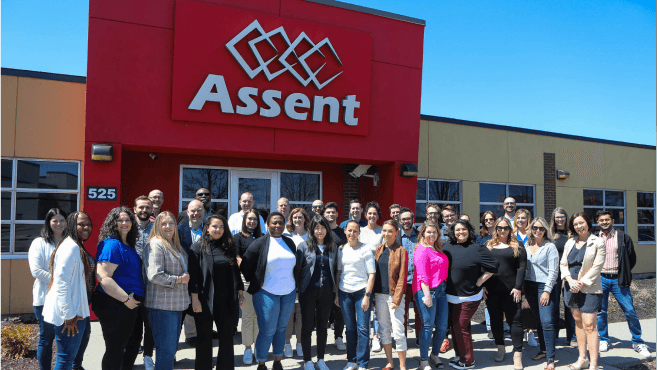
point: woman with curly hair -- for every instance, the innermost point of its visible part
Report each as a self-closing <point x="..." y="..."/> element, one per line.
<point x="121" y="288"/>
<point x="216" y="289"/>
<point x="66" y="306"/>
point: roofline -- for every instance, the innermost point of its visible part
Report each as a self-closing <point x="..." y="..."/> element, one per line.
<point x="363" y="9"/>
<point x="455" y="121"/>
<point x="43" y="75"/>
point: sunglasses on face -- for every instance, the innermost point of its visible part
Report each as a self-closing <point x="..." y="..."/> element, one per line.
<point x="489" y="220"/>
<point x="202" y="194"/>
<point x="559" y="217"/>
<point x="503" y="228"/>
<point x="538" y="228"/>
<point x="317" y="206"/>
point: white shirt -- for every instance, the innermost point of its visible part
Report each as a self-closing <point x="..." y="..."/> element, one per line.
<point x="235" y="223"/>
<point x="372" y="238"/>
<point x="67" y="297"/>
<point x="356" y="265"/>
<point x="297" y="239"/>
<point x="279" y="274"/>
<point x="39" y="260"/>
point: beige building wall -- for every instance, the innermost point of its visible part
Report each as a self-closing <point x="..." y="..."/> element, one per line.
<point x="41" y="119"/>
<point x="453" y="151"/>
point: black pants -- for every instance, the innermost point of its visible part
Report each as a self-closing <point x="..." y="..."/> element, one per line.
<point x="142" y="328"/>
<point x="320" y="301"/>
<point x="500" y="304"/>
<point x="337" y="320"/>
<point x="203" y="321"/>
<point x="117" y="322"/>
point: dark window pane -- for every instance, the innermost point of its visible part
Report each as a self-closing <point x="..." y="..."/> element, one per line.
<point x="261" y="190"/>
<point x="522" y="193"/>
<point x="5" y="238"/>
<point x="214" y="180"/>
<point x="642" y="199"/>
<point x="492" y="193"/>
<point x="220" y="208"/>
<point x="591" y="213"/>
<point x="47" y="175"/>
<point x="646" y="234"/>
<point x="444" y="190"/>
<point x="498" y="209"/>
<point x="420" y="213"/>
<point x="592" y="197"/>
<point x="185" y="203"/>
<point x="34" y="206"/>
<point x="7" y="166"/>
<point x="617" y="214"/>
<point x="6" y="205"/>
<point x="300" y="187"/>
<point x="24" y="235"/>
<point x="307" y="207"/>
<point x="646" y="216"/>
<point x="421" y="190"/>
<point x="614" y="198"/>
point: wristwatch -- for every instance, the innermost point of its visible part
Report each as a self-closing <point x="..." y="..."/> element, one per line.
<point x="368" y="294"/>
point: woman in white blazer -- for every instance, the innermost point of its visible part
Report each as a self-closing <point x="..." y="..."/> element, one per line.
<point x="66" y="305"/>
<point x="39" y="258"/>
<point x="581" y="263"/>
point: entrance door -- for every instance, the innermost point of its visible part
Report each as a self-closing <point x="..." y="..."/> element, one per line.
<point x="262" y="184"/>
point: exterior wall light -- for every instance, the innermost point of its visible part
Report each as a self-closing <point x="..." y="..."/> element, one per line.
<point x="102" y="152"/>
<point x="562" y="175"/>
<point x="408" y="170"/>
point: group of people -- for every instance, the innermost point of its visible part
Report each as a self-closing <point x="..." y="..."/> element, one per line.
<point x="296" y="270"/>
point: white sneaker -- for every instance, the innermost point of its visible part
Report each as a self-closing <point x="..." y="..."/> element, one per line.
<point x="643" y="350"/>
<point x="299" y="350"/>
<point x="340" y="344"/>
<point x="322" y="365"/>
<point x="362" y="368"/>
<point x="309" y="366"/>
<point x="287" y="351"/>
<point x="148" y="363"/>
<point x="248" y="357"/>
<point x="531" y="340"/>
<point x="351" y="366"/>
<point x="604" y="346"/>
<point x="376" y="345"/>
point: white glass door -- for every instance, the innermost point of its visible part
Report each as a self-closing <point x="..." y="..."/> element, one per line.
<point x="262" y="184"/>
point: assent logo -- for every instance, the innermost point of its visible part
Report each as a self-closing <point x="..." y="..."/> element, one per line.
<point x="237" y="67"/>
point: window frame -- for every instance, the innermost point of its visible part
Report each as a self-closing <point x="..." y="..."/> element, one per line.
<point x="439" y="202"/>
<point x="605" y="206"/>
<point x="506" y="189"/>
<point x="14" y="190"/>
<point x="654" y="224"/>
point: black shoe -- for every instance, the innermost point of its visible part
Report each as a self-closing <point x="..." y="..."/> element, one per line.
<point x="78" y="368"/>
<point x="191" y="341"/>
<point x="277" y="366"/>
<point x="261" y="367"/>
<point x="461" y="366"/>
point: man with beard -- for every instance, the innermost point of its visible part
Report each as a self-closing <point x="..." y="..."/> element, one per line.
<point x="157" y="198"/>
<point x="407" y="237"/>
<point x="202" y="195"/>
<point x="317" y="207"/>
<point x="510" y="209"/>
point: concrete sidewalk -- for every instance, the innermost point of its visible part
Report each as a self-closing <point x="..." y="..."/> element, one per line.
<point x="619" y="355"/>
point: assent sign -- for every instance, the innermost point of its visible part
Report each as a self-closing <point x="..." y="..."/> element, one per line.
<point x="237" y="67"/>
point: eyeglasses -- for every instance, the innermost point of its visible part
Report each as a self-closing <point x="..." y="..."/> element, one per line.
<point x="317" y="206"/>
<point x="489" y="220"/>
<point x="538" y="228"/>
<point x="203" y="194"/>
<point x="432" y="213"/>
<point x="559" y="217"/>
<point x="503" y="228"/>
<point x="509" y="203"/>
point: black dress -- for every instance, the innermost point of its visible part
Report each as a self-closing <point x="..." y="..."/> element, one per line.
<point x="587" y="303"/>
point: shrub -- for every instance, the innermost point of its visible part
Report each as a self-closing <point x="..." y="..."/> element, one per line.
<point x="16" y="340"/>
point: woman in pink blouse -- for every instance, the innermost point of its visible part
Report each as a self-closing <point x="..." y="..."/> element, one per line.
<point x="431" y="267"/>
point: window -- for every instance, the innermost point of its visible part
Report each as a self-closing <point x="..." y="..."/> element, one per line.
<point x="492" y="195"/>
<point x="645" y="208"/>
<point x="440" y="192"/>
<point x="29" y="189"/>
<point x="301" y="189"/>
<point x="609" y="200"/>
<point x="213" y="179"/>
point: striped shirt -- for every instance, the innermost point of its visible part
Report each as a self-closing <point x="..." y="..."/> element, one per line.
<point x="611" y="260"/>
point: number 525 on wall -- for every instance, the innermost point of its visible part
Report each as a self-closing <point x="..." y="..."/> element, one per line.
<point x="101" y="193"/>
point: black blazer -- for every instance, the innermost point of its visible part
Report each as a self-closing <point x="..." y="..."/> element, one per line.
<point x="185" y="235"/>
<point x="213" y="285"/>
<point x="254" y="262"/>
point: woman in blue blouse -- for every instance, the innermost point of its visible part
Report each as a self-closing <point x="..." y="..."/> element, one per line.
<point x="121" y="288"/>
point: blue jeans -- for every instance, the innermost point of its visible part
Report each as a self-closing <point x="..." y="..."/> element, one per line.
<point x="166" y="332"/>
<point x="67" y="347"/>
<point x="77" y="362"/>
<point x="46" y="337"/>
<point x="273" y="312"/>
<point x="547" y="330"/>
<point x="624" y="298"/>
<point x="357" y="323"/>
<point x="434" y="317"/>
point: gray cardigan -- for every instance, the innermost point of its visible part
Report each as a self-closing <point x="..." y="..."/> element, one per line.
<point x="543" y="266"/>
<point x="308" y="266"/>
<point x="161" y="269"/>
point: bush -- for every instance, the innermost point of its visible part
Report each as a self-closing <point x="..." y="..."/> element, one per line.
<point x="16" y="340"/>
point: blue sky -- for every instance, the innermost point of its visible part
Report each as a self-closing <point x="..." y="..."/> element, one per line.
<point x="581" y="68"/>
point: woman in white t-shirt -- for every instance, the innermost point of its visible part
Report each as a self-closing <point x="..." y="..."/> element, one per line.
<point x="371" y="234"/>
<point x="356" y="270"/>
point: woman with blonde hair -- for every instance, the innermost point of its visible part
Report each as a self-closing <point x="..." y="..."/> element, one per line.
<point x="431" y="269"/>
<point x="520" y="225"/>
<point x="504" y="289"/>
<point x="540" y="282"/>
<point x="166" y="272"/>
